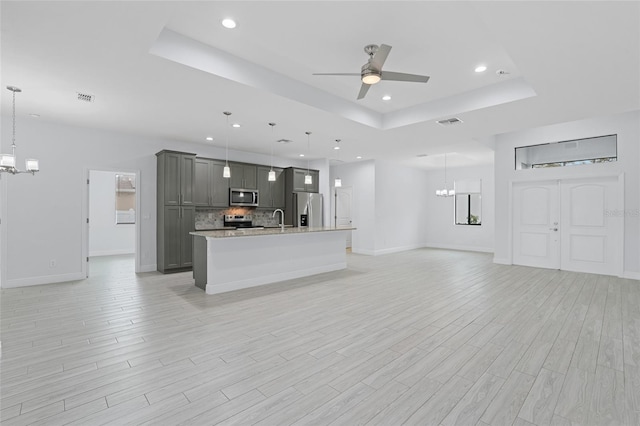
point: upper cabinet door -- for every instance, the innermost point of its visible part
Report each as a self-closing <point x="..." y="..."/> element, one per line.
<point x="277" y="189"/>
<point x="264" y="187"/>
<point x="250" y="176"/>
<point x="202" y="191"/>
<point x="298" y="180"/>
<point x="219" y="185"/>
<point x="187" y="179"/>
<point x="171" y="178"/>
<point x="237" y="175"/>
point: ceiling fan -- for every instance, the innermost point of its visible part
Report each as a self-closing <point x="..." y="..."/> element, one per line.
<point x="372" y="73"/>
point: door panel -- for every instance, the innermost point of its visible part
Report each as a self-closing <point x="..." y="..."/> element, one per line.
<point x="172" y="236"/>
<point x="592" y="237"/>
<point x="187" y="222"/>
<point x="535" y="214"/>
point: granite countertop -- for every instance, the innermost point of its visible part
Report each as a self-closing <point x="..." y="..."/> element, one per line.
<point x="253" y="232"/>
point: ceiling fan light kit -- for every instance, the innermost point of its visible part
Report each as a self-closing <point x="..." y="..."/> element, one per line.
<point x="371" y="73"/>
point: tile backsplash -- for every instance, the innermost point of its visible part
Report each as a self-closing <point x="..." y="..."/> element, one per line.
<point x="260" y="217"/>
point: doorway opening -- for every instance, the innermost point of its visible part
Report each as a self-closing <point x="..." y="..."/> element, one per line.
<point x="112" y="221"/>
<point x="341" y="205"/>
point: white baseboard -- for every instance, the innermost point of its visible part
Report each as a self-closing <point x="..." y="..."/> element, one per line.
<point x="365" y="252"/>
<point x="501" y="261"/>
<point x="459" y="247"/>
<point x="148" y="268"/>
<point x="111" y="252"/>
<point x="398" y="249"/>
<point x="273" y="278"/>
<point x="47" y="279"/>
<point x="632" y="275"/>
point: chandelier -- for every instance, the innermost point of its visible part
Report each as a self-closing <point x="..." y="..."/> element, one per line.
<point x="445" y="192"/>
<point x="8" y="161"/>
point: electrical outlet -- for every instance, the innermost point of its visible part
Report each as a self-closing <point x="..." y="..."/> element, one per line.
<point x="52" y="263"/>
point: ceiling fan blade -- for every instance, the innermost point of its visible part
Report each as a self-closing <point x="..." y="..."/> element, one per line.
<point x="363" y="90"/>
<point x="380" y="56"/>
<point x="400" y="76"/>
<point x="336" y="73"/>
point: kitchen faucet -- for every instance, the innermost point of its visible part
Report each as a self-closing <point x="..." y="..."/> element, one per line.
<point x="281" y="217"/>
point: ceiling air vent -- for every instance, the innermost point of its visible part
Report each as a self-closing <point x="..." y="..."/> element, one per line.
<point x="449" y="121"/>
<point x="85" y="97"/>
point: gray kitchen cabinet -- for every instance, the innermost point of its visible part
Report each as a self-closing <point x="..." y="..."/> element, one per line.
<point x="176" y="199"/>
<point x="211" y="189"/>
<point x="243" y="176"/>
<point x="271" y="194"/>
<point x="295" y="180"/>
<point x="176" y="174"/>
<point x="175" y="244"/>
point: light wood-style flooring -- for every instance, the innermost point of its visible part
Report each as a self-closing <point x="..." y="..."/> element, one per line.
<point x="425" y="337"/>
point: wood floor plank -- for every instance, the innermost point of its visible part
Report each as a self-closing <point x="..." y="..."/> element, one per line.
<point x="539" y="406"/>
<point x="419" y="337"/>
<point x="504" y="408"/>
<point x="471" y="407"/>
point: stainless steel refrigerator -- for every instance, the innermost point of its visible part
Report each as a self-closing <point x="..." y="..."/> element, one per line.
<point x="307" y="209"/>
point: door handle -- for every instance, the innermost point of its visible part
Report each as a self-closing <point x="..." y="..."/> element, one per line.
<point x="553" y="229"/>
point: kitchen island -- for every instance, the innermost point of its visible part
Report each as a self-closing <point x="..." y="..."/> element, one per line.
<point x="228" y="260"/>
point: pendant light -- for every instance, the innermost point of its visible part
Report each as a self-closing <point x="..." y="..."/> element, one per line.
<point x="226" y="172"/>
<point x="8" y="161"/>
<point x="445" y="192"/>
<point x="337" y="181"/>
<point x="308" y="180"/>
<point x="272" y="174"/>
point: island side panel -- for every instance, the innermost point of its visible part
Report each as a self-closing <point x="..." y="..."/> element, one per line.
<point x="242" y="262"/>
<point x="200" y="261"/>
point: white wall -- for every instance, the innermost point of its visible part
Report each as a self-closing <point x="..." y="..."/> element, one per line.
<point x="401" y="209"/>
<point x="388" y="214"/>
<point x="626" y="126"/>
<point x="441" y="230"/>
<point x="43" y="215"/>
<point x="105" y="236"/>
<point x="361" y="177"/>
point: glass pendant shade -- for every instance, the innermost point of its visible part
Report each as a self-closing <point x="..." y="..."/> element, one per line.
<point x="7" y="160"/>
<point x="226" y="172"/>
<point x="337" y="183"/>
<point x="308" y="180"/>
<point x="31" y="164"/>
<point x="272" y="176"/>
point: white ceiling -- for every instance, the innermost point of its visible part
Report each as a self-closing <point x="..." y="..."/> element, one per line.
<point x="565" y="61"/>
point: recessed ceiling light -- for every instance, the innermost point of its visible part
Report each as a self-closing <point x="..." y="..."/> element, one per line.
<point x="34" y="115"/>
<point x="301" y="155"/>
<point x="228" y="23"/>
<point x="386" y="98"/>
<point x="481" y="68"/>
<point x="336" y="147"/>
<point x="236" y="125"/>
<point x="358" y="157"/>
<point x="209" y="138"/>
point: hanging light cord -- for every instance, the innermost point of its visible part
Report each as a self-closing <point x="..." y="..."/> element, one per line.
<point x="272" y="126"/>
<point x="308" y="149"/>
<point x="226" y="157"/>
<point x="13" y="140"/>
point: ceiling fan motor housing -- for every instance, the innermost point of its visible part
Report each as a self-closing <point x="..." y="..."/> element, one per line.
<point x="369" y="75"/>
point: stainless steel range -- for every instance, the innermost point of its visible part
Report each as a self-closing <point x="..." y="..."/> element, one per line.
<point x="239" y="221"/>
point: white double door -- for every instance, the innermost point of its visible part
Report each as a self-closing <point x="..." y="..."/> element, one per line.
<point x="569" y="225"/>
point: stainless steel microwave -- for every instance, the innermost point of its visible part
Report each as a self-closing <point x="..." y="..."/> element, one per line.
<point x="243" y="197"/>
